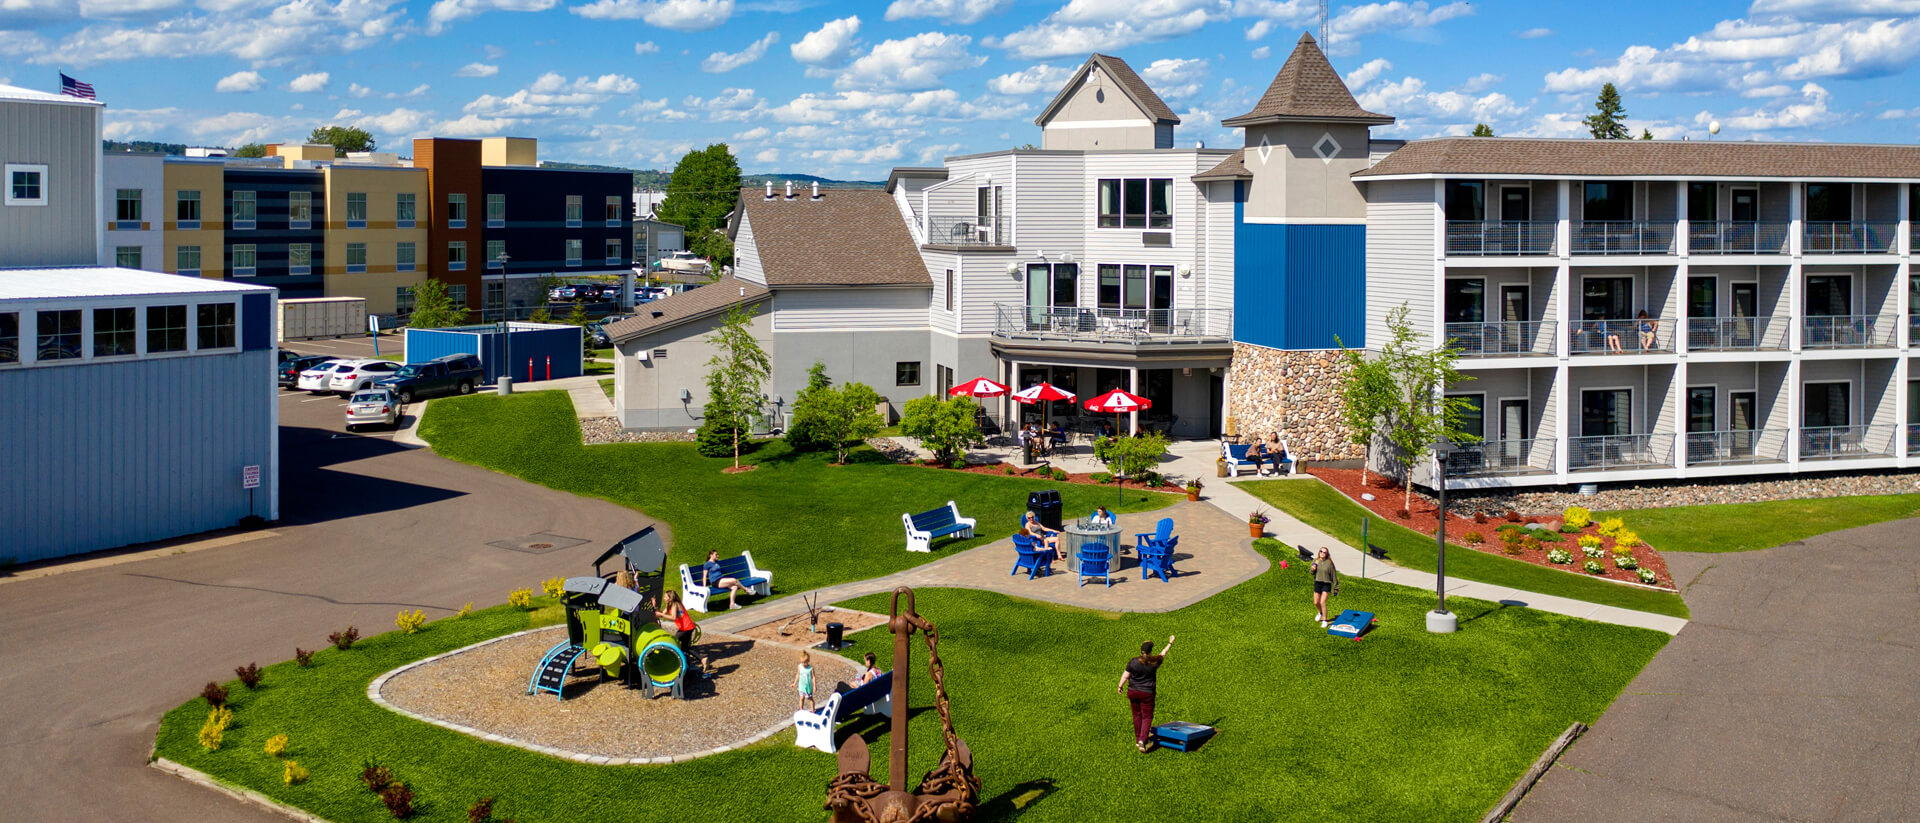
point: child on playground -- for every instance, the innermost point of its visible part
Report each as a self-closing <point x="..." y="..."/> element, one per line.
<point x="673" y="613"/>
<point x="803" y="681"/>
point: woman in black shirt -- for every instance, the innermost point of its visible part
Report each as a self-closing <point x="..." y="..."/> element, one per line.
<point x="1138" y="684"/>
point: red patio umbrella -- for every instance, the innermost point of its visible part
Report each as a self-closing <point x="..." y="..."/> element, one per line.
<point x="1042" y="393"/>
<point x="1117" y="403"/>
<point x="978" y="387"/>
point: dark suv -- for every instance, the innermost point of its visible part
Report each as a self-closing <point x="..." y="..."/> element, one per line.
<point x="454" y="373"/>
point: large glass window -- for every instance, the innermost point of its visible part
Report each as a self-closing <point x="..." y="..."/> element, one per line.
<point x="457" y="295"/>
<point x="113" y="332"/>
<point x="573" y="251"/>
<point x="1473" y="416"/>
<point x="403" y="256"/>
<point x="493" y="295"/>
<point x="456" y="211"/>
<point x="166" y="329"/>
<point x="573" y="211"/>
<point x="1136" y="296"/>
<point x="127" y="257"/>
<point x="1066" y="285"/>
<point x="403" y="210"/>
<point x="1829" y="295"/>
<point x="496" y="210"/>
<point x="299" y="209"/>
<point x="186" y="209"/>
<point x="126" y="205"/>
<point x="245" y="209"/>
<point x="1826" y="404"/>
<point x="244" y="259"/>
<point x="1109" y="286"/>
<point x="186" y="260"/>
<point x="1608" y="201"/>
<point x="1466" y="200"/>
<point x="299" y="258"/>
<point x="1700" y="409"/>
<point x="1136" y="203"/>
<point x="59" y="334"/>
<point x="1160" y="203"/>
<point x="1606" y="412"/>
<point x="1109" y="204"/>
<point x="495" y="250"/>
<point x="356" y="210"/>
<point x="356" y="258"/>
<point x="613" y="252"/>
<point x="1703" y="203"/>
<point x="457" y="255"/>
<point x="215" y="325"/>
<point x="403" y="300"/>
<point x="1466" y="300"/>
<point x="1829" y="202"/>
<point x="615" y="210"/>
<point x="1606" y="298"/>
<point x="9" y="337"/>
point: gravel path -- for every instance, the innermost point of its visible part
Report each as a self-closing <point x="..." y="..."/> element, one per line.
<point x="486" y="689"/>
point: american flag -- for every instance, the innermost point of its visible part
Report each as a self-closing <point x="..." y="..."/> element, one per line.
<point x="74" y="88"/>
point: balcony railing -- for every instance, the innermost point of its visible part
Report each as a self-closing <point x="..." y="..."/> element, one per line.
<point x="1113" y="325"/>
<point x="1737" y="237"/>
<point x="1846" y="442"/>
<point x="1856" y="331"/>
<point x="1622" y="237"/>
<point x="968" y="231"/>
<point x="1739" y="446"/>
<point x="1533" y="338"/>
<point x="1737" y="333"/>
<point x="1619" y="451"/>
<point x="1644" y="336"/>
<point x="1498" y="458"/>
<point x="1856" y="237"/>
<point x="1484" y="238"/>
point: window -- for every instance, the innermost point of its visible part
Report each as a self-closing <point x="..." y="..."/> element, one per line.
<point x="403" y="300"/>
<point x="1700" y="409"/>
<point x="26" y="184"/>
<point x="456" y="211"/>
<point x="186" y="209"/>
<point x="403" y="256"/>
<point x="1606" y="412"/>
<point x="59" y="334"/>
<point x="1826" y="405"/>
<point x="215" y="326"/>
<point x="186" y="260"/>
<point x="573" y="251"/>
<point x="299" y="258"/>
<point x="9" y="337"/>
<point x="126" y="207"/>
<point x="1466" y="200"/>
<point x="1109" y="288"/>
<point x="457" y="255"/>
<point x="906" y="373"/>
<point x="493" y="295"/>
<point x="1606" y="298"/>
<point x="1136" y="203"/>
<point x="944" y="374"/>
<point x="403" y="210"/>
<point x="244" y="259"/>
<point x="1608" y="201"/>
<point x="1136" y="287"/>
<point x="243" y="210"/>
<point x="496" y="211"/>
<point x="356" y="210"/>
<point x="1466" y="300"/>
<point x="166" y="329"/>
<point x="356" y="258"/>
<point x="300" y="210"/>
<point x="1473" y="417"/>
<point x="457" y="295"/>
<point x="949" y="289"/>
<point x="127" y="257"/>
<point x="1829" y="202"/>
<point x="113" y="332"/>
<point x="496" y="249"/>
<point x="573" y="211"/>
<point x="613" y="252"/>
<point x="1703" y="203"/>
<point x="1066" y="285"/>
<point x="615" y="211"/>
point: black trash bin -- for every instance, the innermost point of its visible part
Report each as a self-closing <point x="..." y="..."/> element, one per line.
<point x="1046" y="506"/>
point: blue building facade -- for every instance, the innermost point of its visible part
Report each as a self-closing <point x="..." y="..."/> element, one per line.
<point x="1298" y="286"/>
<point x="273" y="233"/>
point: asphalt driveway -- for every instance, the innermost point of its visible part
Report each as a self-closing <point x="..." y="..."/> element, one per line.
<point x="90" y="659"/>
<point x="1790" y="696"/>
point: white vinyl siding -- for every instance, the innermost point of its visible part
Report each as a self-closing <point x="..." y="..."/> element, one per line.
<point x="1401" y="221"/>
<point x="850" y="309"/>
<point x="746" y="256"/>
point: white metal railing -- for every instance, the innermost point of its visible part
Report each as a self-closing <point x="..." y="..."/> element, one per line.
<point x="1852" y="331"/>
<point x="1118" y="325"/>
<point x="1737" y="237"/>
<point x="1849" y="237"/>
<point x="968" y="231"/>
<point x="1842" y="442"/>
<point x="1622" y="237"/>
<point x="1619" y="451"/>
<point x="1642" y="336"/>
<point x="1496" y="458"/>
<point x="1737" y="446"/>
<point x="1483" y="238"/>
<point x="1737" y="333"/>
<point x="1530" y="338"/>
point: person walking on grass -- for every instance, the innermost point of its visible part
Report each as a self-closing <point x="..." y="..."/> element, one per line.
<point x="1139" y="683"/>
<point x="1326" y="581"/>
<point x="803" y="681"/>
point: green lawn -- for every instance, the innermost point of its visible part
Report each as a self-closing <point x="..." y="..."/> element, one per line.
<point x="596" y="367"/>
<point x="1406" y="726"/>
<point x="1320" y="506"/>
<point x="606" y="385"/>
<point x="1739" y="527"/>
<point x="811" y="523"/>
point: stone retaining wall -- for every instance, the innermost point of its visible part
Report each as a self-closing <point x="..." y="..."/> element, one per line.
<point x="1296" y="393"/>
<point x="1664" y="494"/>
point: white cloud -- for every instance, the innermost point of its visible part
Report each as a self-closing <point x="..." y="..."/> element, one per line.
<point x="1810" y="110"/>
<point x="1042" y="77"/>
<point x="678" y="15"/>
<point x="358" y="90"/>
<point x="494" y="52"/>
<point x="262" y="34"/>
<point x="1175" y="77"/>
<point x="962" y="12"/>
<point x="918" y="62"/>
<point x="1368" y="72"/>
<point x="1084" y="26"/>
<point x="1776" y="90"/>
<point x="1481" y="82"/>
<point x="400" y="123"/>
<point x="755" y="133"/>
<point x="1418" y="107"/>
<point x="645" y="48"/>
<point x="477" y="70"/>
<point x="720" y="61"/>
<point x="445" y="12"/>
<point x="240" y="81"/>
<point x="1749" y="53"/>
<point x="1374" y="17"/>
<point x="1897" y="114"/>
<point x="556" y="83"/>
<point x="1262" y="53"/>
<point x="308" y="83"/>
<point x="929" y="154"/>
<point x="767" y="156"/>
<point x="1535" y="33"/>
<point x="829" y="45"/>
<point x="727" y="100"/>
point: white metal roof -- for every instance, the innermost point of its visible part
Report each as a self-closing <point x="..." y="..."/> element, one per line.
<point x="107" y="281"/>
<point x="18" y="93"/>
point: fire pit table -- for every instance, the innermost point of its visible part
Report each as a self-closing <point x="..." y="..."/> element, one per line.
<point x="1084" y="533"/>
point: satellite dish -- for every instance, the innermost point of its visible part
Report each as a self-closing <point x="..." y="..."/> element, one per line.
<point x="1713" y="127"/>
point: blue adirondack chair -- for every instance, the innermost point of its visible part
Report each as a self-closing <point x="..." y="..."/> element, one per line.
<point x="1033" y="556"/>
<point x="1161" y="534"/>
<point x="1095" y="563"/>
<point x="1157" y="560"/>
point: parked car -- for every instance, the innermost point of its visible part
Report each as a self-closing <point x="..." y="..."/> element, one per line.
<point x="560" y="293"/>
<point x="286" y="355"/>
<point x="373" y="406"/>
<point x="452" y="374"/>
<point x="315" y="378"/>
<point x="355" y="375"/>
<point x="290" y="369"/>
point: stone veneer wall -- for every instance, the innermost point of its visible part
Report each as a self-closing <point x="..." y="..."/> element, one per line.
<point x="1296" y="393"/>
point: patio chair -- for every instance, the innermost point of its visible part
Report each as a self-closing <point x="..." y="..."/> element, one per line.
<point x="1095" y="563"/>
<point x="1157" y="560"/>
<point x="1161" y="532"/>
<point x="1033" y="556"/>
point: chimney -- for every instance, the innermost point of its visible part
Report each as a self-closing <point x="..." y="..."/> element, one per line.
<point x="789" y="189"/>
<point x="816" y="189"/>
<point x="769" y="189"/>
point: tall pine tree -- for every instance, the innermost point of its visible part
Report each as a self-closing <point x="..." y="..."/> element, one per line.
<point x="1609" y="120"/>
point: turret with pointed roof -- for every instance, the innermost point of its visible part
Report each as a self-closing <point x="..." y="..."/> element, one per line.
<point x="1307" y="88"/>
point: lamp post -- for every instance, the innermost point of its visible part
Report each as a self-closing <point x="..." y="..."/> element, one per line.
<point x="1441" y="621"/>
<point x="505" y="379"/>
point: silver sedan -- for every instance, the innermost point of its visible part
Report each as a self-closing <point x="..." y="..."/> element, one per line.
<point x="373" y="407"/>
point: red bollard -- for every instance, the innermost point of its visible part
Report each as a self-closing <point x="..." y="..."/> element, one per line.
<point x="529" y="370"/>
<point x="549" y="367"/>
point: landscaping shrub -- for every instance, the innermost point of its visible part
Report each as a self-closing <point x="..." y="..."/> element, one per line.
<point x="212" y="731"/>
<point x="1480" y="517"/>
<point x="481" y="811"/>
<point x="1530" y="543"/>
<point x="410" y="622"/>
<point x="1060" y="475"/>
<point x="1594" y="567"/>
<point x="1648" y="577"/>
<point x="1593" y="552"/>
<point x="957" y="464"/>
<point x="249" y="675"/>
<point x="1577" y="517"/>
<point x="1561" y="556"/>
<point x="399" y="800"/>
<point x="302" y="656"/>
<point x="1009" y="470"/>
<point x="1590" y="541"/>
<point x="294" y="774"/>
<point x="1625" y="561"/>
<point x="1507" y="527"/>
<point x="1513" y="516"/>
<point x="1511" y="547"/>
<point x="1626" y="539"/>
<point x="1100" y="477"/>
<point x="464" y="611"/>
<point x="215" y="694"/>
<point x="1473" y="538"/>
<point x="522" y="598"/>
<point x="276" y="745"/>
<point x="1611" y="526"/>
<point x="377" y="778"/>
<point x="344" y="640"/>
<point x="553" y="586"/>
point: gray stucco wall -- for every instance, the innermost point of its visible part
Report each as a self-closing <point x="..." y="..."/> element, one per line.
<point x="866" y="357"/>
<point x="63" y="137"/>
<point x="647" y="392"/>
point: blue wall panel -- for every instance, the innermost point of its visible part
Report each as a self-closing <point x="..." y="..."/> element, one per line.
<point x="256" y="322"/>
<point x="1298" y="286"/>
<point x="563" y="345"/>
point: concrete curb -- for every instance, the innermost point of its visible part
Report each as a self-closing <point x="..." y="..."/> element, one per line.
<point x="248" y="796"/>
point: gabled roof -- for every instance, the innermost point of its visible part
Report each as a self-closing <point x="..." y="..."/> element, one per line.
<point x="1577" y="158"/>
<point x="1232" y="168"/>
<point x="706" y="301"/>
<point x="900" y="173"/>
<point x="1123" y="76"/>
<point x="1307" y="88"/>
<point x="848" y="237"/>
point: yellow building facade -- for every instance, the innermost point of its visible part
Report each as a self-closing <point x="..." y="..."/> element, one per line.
<point x="376" y="233"/>
<point x="193" y="209"/>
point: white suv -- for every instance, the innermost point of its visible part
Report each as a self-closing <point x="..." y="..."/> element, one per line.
<point x="354" y="375"/>
<point x="316" y="378"/>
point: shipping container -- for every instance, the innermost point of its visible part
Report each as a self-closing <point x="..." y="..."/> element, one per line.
<point x="308" y="318"/>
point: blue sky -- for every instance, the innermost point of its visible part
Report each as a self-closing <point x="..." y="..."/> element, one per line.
<point x="848" y="89"/>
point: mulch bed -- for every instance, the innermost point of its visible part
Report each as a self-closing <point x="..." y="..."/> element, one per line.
<point x="852" y="620"/>
<point x="1040" y="472"/>
<point x="1424" y="518"/>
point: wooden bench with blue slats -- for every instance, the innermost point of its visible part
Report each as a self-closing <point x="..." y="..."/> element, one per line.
<point x="814" y="730"/>
<point x="922" y="528"/>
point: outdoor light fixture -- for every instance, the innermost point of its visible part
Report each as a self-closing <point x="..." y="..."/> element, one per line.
<point x="1186" y="270"/>
<point x="1441" y="621"/>
<point x="1013" y="269"/>
<point x="1066" y="257"/>
<point x="686" y="397"/>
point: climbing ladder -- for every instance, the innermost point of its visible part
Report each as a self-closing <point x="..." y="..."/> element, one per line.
<point x="554" y="667"/>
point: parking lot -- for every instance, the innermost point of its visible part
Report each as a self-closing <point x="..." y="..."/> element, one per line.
<point x="329" y="411"/>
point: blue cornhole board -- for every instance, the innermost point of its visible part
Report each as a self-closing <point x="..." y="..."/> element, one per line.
<point x="1182" y="736"/>
<point x="1351" y="624"/>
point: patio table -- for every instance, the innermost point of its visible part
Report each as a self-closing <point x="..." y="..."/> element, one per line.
<point x="1082" y="532"/>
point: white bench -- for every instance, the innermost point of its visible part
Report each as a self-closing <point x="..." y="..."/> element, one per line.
<point x="741" y="568"/>
<point x="814" y="730"/>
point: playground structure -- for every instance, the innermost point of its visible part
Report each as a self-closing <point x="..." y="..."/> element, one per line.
<point x="612" y="625"/>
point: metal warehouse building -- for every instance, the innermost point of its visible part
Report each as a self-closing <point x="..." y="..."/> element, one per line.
<point x="134" y="406"/>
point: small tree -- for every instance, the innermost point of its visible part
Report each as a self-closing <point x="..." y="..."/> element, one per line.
<point x="432" y="309"/>
<point x="1482" y="130"/>
<point x="343" y="139"/>
<point x="846" y="416"/>
<point x="578" y="316"/>
<point x="808" y="406"/>
<point x="1133" y="457"/>
<point x="1646" y="134"/>
<point x="735" y="374"/>
<point x="251" y="150"/>
<point x="945" y="427"/>
<point x="1420" y="415"/>
<point x="540" y="315"/>
<point x="1609" y="120"/>
<point x="715" y="247"/>
<point x="1367" y="395"/>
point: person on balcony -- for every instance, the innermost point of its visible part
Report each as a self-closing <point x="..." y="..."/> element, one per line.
<point x="1645" y="325"/>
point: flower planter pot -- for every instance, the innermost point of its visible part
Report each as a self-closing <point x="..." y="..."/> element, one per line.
<point x="1193" y="496"/>
<point x="1257" y="529"/>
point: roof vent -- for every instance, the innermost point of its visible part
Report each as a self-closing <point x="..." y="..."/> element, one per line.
<point x="816" y="189"/>
<point x="789" y="189"/>
<point x="657" y="314"/>
<point x="769" y="189"/>
<point x="743" y="291"/>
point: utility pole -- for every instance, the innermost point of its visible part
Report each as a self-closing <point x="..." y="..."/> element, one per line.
<point x="1326" y="38"/>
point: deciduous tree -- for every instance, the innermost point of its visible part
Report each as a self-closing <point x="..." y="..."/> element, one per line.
<point x="343" y="139"/>
<point x="432" y="309"/>
<point x="735" y="374"/>
<point x="945" y="427"/>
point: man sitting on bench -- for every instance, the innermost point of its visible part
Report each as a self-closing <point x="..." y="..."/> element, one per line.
<point x="711" y="578"/>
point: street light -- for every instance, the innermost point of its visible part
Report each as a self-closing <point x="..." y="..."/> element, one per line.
<point x="1441" y="621"/>
<point x="506" y="338"/>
